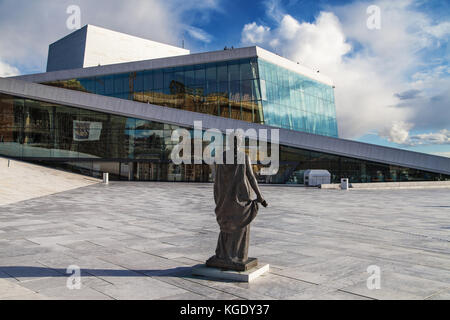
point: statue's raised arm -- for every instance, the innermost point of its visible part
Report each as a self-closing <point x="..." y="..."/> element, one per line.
<point x="253" y="182"/>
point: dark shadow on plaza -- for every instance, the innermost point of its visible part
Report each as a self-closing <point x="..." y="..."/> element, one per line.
<point x="14" y="272"/>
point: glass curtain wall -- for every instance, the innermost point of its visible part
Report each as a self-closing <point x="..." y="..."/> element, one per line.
<point x="295" y="102"/>
<point x="228" y="89"/>
<point x="252" y="90"/>
<point x="92" y="142"/>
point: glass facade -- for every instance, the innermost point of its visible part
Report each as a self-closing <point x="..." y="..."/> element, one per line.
<point x="295" y="102"/>
<point x="226" y="89"/>
<point x="91" y="143"/>
<point x="249" y="89"/>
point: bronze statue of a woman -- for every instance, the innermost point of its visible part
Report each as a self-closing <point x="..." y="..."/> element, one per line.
<point x="234" y="185"/>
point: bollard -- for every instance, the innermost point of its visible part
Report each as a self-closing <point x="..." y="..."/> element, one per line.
<point x="106" y="178"/>
<point x="344" y="183"/>
<point x="9" y="163"/>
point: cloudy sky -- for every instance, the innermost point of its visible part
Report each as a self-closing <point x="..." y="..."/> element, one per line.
<point x="392" y="81"/>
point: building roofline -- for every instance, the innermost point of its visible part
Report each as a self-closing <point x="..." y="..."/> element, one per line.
<point x="93" y="26"/>
<point x="291" y="138"/>
<point x="177" y="61"/>
<point x="168" y="62"/>
<point x="293" y="66"/>
<point x="83" y="28"/>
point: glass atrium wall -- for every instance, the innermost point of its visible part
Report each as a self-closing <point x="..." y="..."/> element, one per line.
<point x="227" y="89"/>
<point x="91" y="142"/>
<point x="295" y="102"/>
<point x="251" y="90"/>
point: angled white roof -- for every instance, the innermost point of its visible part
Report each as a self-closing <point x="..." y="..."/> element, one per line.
<point x="296" y="139"/>
<point x="290" y="65"/>
<point x="93" y="46"/>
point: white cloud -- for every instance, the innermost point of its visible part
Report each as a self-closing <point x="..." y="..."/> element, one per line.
<point x="8" y="71"/>
<point x="439" y="30"/>
<point x="441" y="137"/>
<point x="398" y="132"/>
<point x="372" y="79"/>
<point x="26" y="34"/>
<point x="199" y="34"/>
<point x="274" y="9"/>
<point x="253" y="33"/>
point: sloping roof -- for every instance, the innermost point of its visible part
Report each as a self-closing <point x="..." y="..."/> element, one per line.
<point x="296" y="139"/>
<point x="93" y="46"/>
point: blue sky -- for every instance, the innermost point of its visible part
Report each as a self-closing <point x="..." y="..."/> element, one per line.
<point x="225" y="25"/>
<point x="391" y="83"/>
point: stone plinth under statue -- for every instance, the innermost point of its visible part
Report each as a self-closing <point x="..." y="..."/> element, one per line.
<point x="230" y="275"/>
<point x="214" y="262"/>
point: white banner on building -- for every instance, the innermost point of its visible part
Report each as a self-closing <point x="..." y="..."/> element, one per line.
<point x="86" y="130"/>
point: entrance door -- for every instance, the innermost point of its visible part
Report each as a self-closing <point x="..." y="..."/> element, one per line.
<point x="144" y="171"/>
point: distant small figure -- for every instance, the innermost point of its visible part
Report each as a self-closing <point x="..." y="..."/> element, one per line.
<point x="235" y="210"/>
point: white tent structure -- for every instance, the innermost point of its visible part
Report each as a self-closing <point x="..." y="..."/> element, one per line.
<point x="315" y="178"/>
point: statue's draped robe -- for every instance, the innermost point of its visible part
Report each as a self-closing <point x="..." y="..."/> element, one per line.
<point x="235" y="209"/>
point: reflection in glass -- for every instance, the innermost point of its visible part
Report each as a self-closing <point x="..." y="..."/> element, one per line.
<point x="88" y="142"/>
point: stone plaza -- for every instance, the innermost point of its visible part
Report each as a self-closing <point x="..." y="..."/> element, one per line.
<point x="141" y="240"/>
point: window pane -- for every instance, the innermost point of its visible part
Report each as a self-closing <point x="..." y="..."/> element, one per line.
<point x="222" y="73"/>
<point x="168" y="78"/>
<point x="200" y="76"/>
<point x="109" y="85"/>
<point x="119" y="84"/>
<point x="247" y="92"/>
<point x="233" y="72"/>
<point x="190" y="77"/>
<point x="158" y="79"/>
<point x="148" y="81"/>
<point x="179" y="77"/>
<point x="247" y="71"/>
<point x="235" y="91"/>
<point x="211" y="73"/>
<point x="139" y="82"/>
<point x="88" y="85"/>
